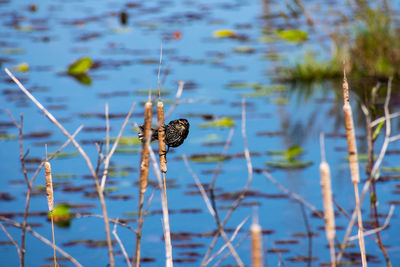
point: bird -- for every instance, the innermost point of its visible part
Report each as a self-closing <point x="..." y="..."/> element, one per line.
<point x="176" y="132"/>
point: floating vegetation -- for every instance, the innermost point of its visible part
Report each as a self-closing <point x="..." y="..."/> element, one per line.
<point x="127" y="141"/>
<point x="127" y="151"/>
<point x="22" y="67"/>
<point x="292" y="35"/>
<point x="64" y="175"/>
<point x="287" y="159"/>
<point x="294" y="164"/>
<point x="61" y="215"/>
<point x="7" y="137"/>
<point x="80" y="66"/>
<point x="63" y="155"/>
<point x="224" y="33"/>
<point x="207" y="158"/>
<point x="224" y="122"/>
<point x="244" y="50"/>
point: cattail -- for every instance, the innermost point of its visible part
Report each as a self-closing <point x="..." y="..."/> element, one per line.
<point x="161" y="137"/>
<point x="144" y="165"/>
<point x="328" y="207"/>
<point x="50" y="203"/>
<point x="353" y="162"/>
<point x="256" y="245"/>
<point x="144" y="175"/>
<point x="49" y="186"/>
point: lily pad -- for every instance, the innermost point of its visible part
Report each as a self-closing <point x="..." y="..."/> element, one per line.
<point x="128" y="141"/>
<point x="7" y="137"/>
<point x="127" y="151"/>
<point x="293" y="35"/>
<point x="289" y="165"/>
<point x="241" y="85"/>
<point x="224" y="33"/>
<point x="391" y="169"/>
<point x="224" y="122"/>
<point x="292" y="152"/>
<point x="23" y="67"/>
<point x="63" y="155"/>
<point x="244" y="50"/>
<point x="80" y="66"/>
<point x="61" y="215"/>
<point x="207" y="158"/>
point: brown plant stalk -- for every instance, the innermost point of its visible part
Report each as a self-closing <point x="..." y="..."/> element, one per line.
<point x="353" y="161"/>
<point x="329" y="214"/>
<point x="256" y="245"/>
<point x="144" y="175"/>
<point x="50" y="203"/>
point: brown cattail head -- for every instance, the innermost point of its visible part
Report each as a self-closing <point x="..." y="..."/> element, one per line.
<point x="351" y="143"/>
<point x="161" y="137"/>
<point x="327" y="200"/>
<point x="49" y="185"/>
<point x="345" y="86"/>
<point x="144" y="165"/>
<point x="256" y="245"/>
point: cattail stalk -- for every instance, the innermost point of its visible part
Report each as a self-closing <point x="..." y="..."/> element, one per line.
<point x="161" y="136"/>
<point x="256" y="245"/>
<point x="329" y="214"/>
<point x="144" y="175"/>
<point x="353" y="161"/>
<point x="50" y="203"/>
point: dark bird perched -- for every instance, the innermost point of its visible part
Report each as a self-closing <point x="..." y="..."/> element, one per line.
<point x="176" y="132"/>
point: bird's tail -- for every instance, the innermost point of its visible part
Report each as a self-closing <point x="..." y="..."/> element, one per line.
<point x="154" y="133"/>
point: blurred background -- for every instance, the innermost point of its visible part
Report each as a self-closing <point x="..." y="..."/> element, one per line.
<point x="284" y="58"/>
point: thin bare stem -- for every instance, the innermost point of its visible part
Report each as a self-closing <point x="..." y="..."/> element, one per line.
<point x="224" y="246"/>
<point x="177" y="97"/>
<point x="293" y="195"/>
<point x="242" y="194"/>
<point x="43" y="239"/>
<point x="83" y="154"/>
<point x="121" y="245"/>
<point x="373" y="231"/>
<point x="109" y="154"/>
<point x="167" y="232"/>
<point x="11" y="239"/>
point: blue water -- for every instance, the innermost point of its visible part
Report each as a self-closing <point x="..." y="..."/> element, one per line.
<point x="301" y="120"/>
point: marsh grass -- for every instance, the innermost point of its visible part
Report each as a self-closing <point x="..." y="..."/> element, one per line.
<point x="369" y="44"/>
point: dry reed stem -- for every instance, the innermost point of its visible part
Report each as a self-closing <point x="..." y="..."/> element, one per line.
<point x="293" y="195"/>
<point x="109" y="154"/>
<point x="205" y="260"/>
<point x="214" y="214"/>
<point x="43" y="239"/>
<point x="256" y="245"/>
<point x="144" y="174"/>
<point x="177" y="97"/>
<point x="128" y="262"/>
<point x="353" y="161"/>
<point x="327" y="201"/>
<point x="167" y="232"/>
<point x="50" y="203"/>
<point x="83" y="154"/>
<point x="161" y="137"/>
<point x="375" y="168"/>
<point x="233" y="236"/>
<point x="12" y="240"/>
<point x="375" y="230"/>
